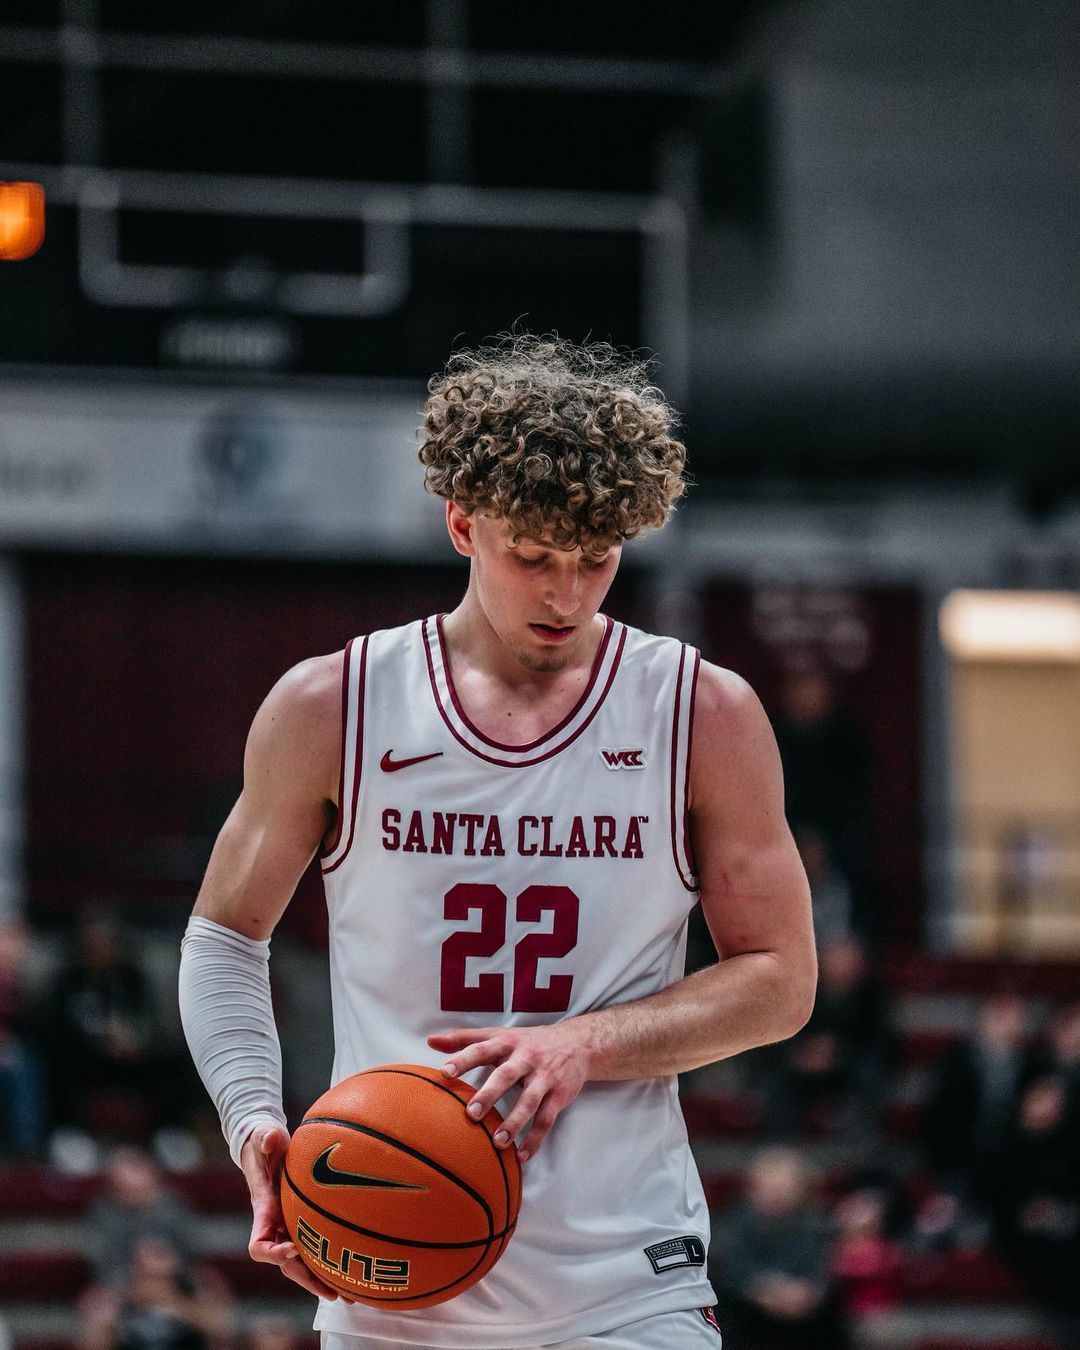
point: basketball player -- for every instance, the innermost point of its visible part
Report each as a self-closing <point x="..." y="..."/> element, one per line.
<point x="517" y="804"/>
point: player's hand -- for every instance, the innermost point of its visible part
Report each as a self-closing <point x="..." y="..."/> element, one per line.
<point x="261" y="1159"/>
<point x="550" y="1064"/>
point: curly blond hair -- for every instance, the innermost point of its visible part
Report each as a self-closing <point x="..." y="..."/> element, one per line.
<point x="547" y="434"/>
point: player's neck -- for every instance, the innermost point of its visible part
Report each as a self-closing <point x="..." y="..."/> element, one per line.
<point x="475" y="646"/>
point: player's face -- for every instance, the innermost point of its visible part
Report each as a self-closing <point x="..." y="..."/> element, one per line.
<point x="540" y="600"/>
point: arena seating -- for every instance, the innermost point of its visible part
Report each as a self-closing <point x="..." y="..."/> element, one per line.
<point x="956" y="1300"/>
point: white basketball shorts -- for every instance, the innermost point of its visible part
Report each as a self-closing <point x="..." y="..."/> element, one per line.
<point x="696" y="1330"/>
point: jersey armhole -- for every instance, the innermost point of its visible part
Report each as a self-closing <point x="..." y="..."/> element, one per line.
<point x="682" y="735"/>
<point x="353" y="680"/>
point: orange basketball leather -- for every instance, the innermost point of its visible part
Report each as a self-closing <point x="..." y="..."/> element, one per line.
<point x="392" y="1194"/>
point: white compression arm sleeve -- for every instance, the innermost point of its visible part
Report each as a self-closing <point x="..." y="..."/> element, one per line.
<point x="229" y="1024"/>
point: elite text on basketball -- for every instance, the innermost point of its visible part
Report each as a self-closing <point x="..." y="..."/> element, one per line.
<point x="369" y="1272"/>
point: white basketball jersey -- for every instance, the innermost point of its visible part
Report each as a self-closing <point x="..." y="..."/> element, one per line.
<point x="479" y="884"/>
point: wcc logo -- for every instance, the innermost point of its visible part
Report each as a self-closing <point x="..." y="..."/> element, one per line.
<point x="623" y="759"/>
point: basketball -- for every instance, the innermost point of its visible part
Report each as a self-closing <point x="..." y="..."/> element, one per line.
<point x="393" y="1195"/>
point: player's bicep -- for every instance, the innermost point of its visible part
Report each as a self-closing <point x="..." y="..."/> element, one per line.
<point x="758" y="902"/>
<point x="286" y="806"/>
<point x="254" y="868"/>
<point x="754" y="892"/>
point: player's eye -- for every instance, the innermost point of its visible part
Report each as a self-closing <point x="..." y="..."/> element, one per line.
<point x="530" y="562"/>
<point x="594" y="564"/>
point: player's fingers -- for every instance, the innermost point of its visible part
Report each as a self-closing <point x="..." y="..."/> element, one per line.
<point x="490" y="1051"/>
<point x="296" y="1271"/>
<point x="542" y="1123"/>
<point x="274" y="1251"/>
<point x="498" y="1083"/>
<point x="286" y="1256"/>
<point x="268" y="1223"/>
<point x="458" y="1037"/>
<point x="525" y="1108"/>
<point x="272" y="1243"/>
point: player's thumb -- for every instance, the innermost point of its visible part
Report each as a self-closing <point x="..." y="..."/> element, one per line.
<point x="270" y="1143"/>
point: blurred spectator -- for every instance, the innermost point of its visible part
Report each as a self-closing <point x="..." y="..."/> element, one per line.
<point x="112" y="1072"/>
<point x="159" y="1307"/>
<point x="136" y="1205"/>
<point x="22" y="1090"/>
<point x="972" y="1105"/>
<point x="826" y="758"/>
<point x="272" y="1333"/>
<point x="1063" y="1055"/>
<point x="867" y="1266"/>
<point x="836" y="1066"/>
<point x="1036" y="1201"/>
<point x="770" y="1259"/>
<point x="830" y="892"/>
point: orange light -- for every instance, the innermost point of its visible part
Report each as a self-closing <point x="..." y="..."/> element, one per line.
<point x="22" y="220"/>
<point x="1011" y="625"/>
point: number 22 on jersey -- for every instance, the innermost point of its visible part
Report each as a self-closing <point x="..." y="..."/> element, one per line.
<point x="488" y="994"/>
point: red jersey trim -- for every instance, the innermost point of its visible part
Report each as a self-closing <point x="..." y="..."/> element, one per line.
<point x="358" y="763"/>
<point x="598" y="661"/>
<point x="680" y="816"/>
<point x="548" y="754"/>
<point x="688" y="847"/>
<point x="326" y="852"/>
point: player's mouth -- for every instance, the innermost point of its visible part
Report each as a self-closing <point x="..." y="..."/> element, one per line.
<point x="549" y="633"/>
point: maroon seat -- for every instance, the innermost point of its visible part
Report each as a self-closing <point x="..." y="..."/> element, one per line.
<point x="257" y="1279"/>
<point x="904" y="1120"/>
<point x="117" y="1115"/>
<point x="29" y="1191"/>
<point x="214" y="1188"/>
<point x="44" y="1343"/>
<point x="43" y="1277"/>
<point x="964" y="1277"/>
<point x="920" y="1048"/>
<point x="716" y="1116"/>
<point x="915" y="972"/>
<point x="1010" y="1343"/>
<point x="722" y="1189"/>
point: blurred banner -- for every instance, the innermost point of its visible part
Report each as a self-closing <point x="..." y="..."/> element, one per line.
<point x="211" y="469"/>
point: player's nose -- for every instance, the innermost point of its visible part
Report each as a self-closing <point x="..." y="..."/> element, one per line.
<point x="564" y="595"/>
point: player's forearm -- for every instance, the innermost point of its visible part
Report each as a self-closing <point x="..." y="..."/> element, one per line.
<point x="746" y="1001"/>
<point x="228" y="1021"/>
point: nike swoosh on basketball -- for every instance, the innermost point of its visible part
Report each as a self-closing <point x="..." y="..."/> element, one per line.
<point x="326" y="1175"/>
<point x="389" y="765"/>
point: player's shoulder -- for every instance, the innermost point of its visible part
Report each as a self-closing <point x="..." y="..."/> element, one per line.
<point x="303" y="709"/>
<point x="728" y="716"/>
<point x="734" y="763"/>
<point x="312" y="687"/>
<point x="722" y="693"/>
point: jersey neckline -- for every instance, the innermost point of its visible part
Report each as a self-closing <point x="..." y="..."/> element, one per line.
<point x="605" y="664"/>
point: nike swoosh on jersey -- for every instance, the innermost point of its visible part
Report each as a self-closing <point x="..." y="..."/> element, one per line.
<point x="326" y="1175"/>
<point x="389" y="765"/>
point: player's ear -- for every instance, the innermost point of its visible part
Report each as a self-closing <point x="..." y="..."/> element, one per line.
<point x="461" y="528"/>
